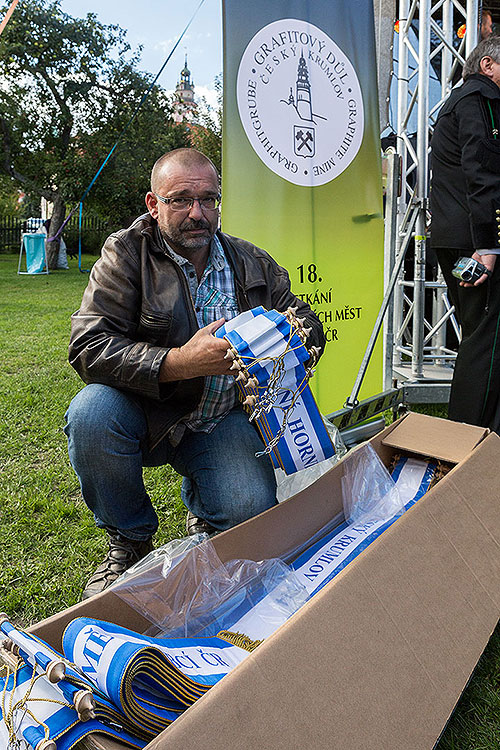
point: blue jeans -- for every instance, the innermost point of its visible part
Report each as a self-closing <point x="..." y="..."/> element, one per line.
<point x="224" y="482"/>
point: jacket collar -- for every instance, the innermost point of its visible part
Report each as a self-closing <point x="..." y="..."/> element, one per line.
<point x="249" y="275"/>
<point x="148" y="227"/>
<point x="478" y="82"/>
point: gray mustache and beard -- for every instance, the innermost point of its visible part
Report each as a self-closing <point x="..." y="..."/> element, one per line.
<point x="178" y="236"/>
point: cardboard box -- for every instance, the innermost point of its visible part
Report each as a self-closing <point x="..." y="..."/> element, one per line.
<point x="379" y="657"/>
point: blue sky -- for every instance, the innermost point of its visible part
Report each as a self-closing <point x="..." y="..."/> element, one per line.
<point x="157" y="24"/>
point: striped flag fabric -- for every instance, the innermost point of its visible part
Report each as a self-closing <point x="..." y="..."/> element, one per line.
<point x="269" y="358"/>
<point x="139" y="685"/>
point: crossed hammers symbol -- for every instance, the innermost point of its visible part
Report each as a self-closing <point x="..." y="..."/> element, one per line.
<point x="304" y="138"/>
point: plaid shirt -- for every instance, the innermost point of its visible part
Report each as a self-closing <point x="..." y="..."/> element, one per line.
<point x="213" y="298"/>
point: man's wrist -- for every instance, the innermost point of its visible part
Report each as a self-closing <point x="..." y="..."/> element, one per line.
<point x="172" y="366"/>
<point x="493" y="251"/>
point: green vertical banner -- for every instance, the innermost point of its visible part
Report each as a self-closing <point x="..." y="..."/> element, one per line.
<point x="301" y="165"/>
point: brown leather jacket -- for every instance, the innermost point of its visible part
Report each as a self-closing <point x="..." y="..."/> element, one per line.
<point x="137" y="306"/>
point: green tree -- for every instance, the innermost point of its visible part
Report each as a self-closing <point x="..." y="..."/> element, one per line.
<point x="69" y="87"/>
<point x="206" y="135"/>
<point x="10" y="203"/>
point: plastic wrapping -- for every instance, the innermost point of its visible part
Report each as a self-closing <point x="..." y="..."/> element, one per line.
<point x="367" y="487"/>
<point x="290" y="485"/>
<point x="338" y="547"/>
<point x="169" y="555"/>
<point x="414" y="477"/>
<point x="186" y="591"/>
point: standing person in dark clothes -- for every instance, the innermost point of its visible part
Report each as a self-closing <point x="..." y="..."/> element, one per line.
<point x="465" y="206"/>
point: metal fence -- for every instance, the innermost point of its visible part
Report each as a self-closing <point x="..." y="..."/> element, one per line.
<point x="94" y="232"/>
<point x="10" y="233"/>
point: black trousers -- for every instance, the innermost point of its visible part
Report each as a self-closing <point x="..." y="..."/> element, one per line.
<point x="475" y="391"/>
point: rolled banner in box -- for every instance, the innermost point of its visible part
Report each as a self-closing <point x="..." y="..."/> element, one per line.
<point x="38" y="715"/>
<point x="138" y="685"/>
<point x="149" y="680"/>
<point x="270" y="357"/>
<point x="329" y="555"/>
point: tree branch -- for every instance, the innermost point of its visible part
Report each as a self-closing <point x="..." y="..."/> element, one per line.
<point x="9" y="168"/>
<point x="60" y="101"/>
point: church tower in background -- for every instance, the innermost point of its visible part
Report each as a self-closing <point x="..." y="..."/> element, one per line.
<point x="184" y="106"/>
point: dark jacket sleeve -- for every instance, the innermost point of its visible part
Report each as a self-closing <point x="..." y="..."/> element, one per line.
<point x="103" y="346"/>
<point x="480" y="159"/>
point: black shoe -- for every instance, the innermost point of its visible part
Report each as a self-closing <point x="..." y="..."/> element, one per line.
<point x="122" y="554"/>
<point x="195" y="525"/>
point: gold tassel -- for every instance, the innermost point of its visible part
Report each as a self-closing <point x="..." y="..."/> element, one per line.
<point x="239" y="639"/>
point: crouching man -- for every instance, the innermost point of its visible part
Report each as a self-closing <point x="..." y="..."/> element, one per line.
<point x="159" y="388"/>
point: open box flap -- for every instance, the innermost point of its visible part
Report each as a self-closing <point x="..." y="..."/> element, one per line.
<point x="431" y="436"/>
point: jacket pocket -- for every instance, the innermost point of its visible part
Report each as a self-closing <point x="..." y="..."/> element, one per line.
<point x="488" y="152"/>
<point x="154" y="327"/>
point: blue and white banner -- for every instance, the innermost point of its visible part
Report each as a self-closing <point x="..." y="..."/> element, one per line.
<point x="184" y="668"/>
<point x="324" y="560"/>
<point x="139" y="685"/>
<point x="332" y="553"/>
<point x="270" y="354"/>
<point x="33" y="711"/>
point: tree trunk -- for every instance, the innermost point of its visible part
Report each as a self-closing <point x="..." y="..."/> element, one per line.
<point x="55" y="222"/>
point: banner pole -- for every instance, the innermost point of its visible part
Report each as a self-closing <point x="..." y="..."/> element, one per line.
<point x="8" y="15"/>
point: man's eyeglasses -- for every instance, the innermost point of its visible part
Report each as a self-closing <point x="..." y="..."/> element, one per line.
<point x="181" y="203"/>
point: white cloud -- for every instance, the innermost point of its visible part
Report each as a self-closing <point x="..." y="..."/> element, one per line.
<point x="165" y="45"/>
<point x="210" y="94"/>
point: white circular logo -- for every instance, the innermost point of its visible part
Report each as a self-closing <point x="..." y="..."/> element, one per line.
<point x="300" y="102"/>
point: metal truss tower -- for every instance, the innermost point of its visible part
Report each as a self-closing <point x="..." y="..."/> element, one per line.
<point x="417" y="333"/>
<point x="417" y="317"/>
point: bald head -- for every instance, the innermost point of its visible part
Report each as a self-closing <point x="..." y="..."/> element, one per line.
<point x="185" y="158"/>
<point x="188" y="229"/>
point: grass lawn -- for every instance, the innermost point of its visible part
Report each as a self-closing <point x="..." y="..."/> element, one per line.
<point x="49" y="542"/>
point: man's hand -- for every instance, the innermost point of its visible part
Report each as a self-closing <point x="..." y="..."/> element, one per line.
<point x="488" y="261"/>
<point x="202" y="355"/>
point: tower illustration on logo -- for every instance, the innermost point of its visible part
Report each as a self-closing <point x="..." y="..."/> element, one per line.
<point x="304" y="103"/>
<point x="304" y="136"/>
